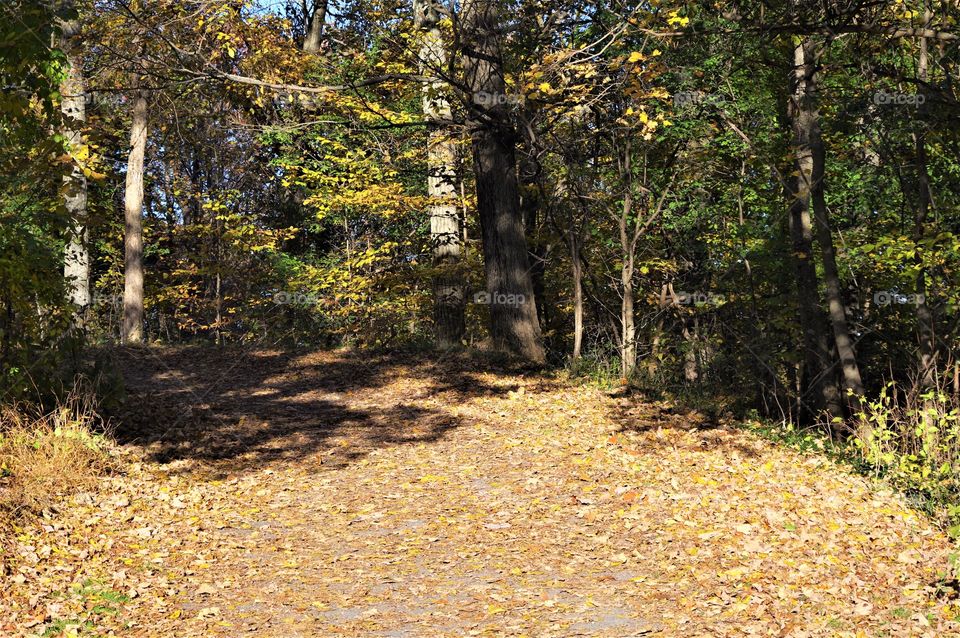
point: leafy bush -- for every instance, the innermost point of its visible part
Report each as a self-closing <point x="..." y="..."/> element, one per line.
<point x="914" y="440"/>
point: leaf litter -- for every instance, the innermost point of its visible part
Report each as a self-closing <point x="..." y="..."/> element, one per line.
<point x="340" y="494"/>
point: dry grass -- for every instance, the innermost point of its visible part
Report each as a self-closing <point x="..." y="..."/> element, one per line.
<point x="46" y="455"/>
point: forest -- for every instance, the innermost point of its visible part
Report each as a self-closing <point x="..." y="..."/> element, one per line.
<point x="311" y="311"/>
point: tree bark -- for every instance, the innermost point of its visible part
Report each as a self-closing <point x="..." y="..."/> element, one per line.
<point x="691" y="334"/>
<point x="849" y="368"/>
<point x="817" y="370"/>
<point x="628" y="328"/>
<point x="577" y="273"/>
<point x="76" y="259"/>
<point x="529" y="174"/>
<point x="926" y="327"/>
<point x="925" y="320"/>
<point x="314" y="18"/>
<point x="449" y="288"/>
<point x="513" y="325"/>
<point x="132" y="324"/>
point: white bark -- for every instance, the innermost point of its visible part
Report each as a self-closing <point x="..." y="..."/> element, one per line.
<point x="445" y="234"/>
<point x="76" y="258"/>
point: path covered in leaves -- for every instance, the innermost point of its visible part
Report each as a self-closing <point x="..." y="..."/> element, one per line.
<point x="329" y="494"/>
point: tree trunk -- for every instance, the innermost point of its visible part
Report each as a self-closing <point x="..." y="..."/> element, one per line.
<point x="529" y="176"/>
<point x="925" y="320"/>
<point x="577" y="273"/>
<point x="513" y="316"/>
<point x="76" y="259"/>
<point x="132" y="325"/>
<point x="314" y="19"/>
<point x="449" y="289"/>
<point x="926" y="328"/>
<point x="817" y="367"/>
<point x="691" y="334"/>
<point x="628" y="331"/>
<point x="628" y="327"/>
<point x="653" y="361"/>
<point x="836" y="308"/>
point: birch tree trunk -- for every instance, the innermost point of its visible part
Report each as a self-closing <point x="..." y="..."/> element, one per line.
<point x="132" y="325"/>
<point x="449" y="289"/>
<point x="577" y="274"/>
<point x="628" y="328"/>
<point x="76" y="258"/>
<point x="513" y="324"/>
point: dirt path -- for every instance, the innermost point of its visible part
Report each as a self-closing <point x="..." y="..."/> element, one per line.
<point x="336" y="495"/>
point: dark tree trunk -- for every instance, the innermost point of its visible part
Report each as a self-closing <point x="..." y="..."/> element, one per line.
<point x="817" y="374"/>
<point x="314" y="18"/>
<point x="513" y="316"/>
<point x="925" y="320"/>
<point x="849" y="368"/>
<point x="530" y="202"/>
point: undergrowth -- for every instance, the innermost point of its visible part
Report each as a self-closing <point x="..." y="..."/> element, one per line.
<point x="48" y="454"/>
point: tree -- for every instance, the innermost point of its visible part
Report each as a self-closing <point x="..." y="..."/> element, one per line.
<point x="76" y="259"/>
<point x="806" y="60"/>
<point x="449" y="289"/>
<point x="132" y="326"/>
<point x="818" y="365"/>
<point x="514" y="326"/>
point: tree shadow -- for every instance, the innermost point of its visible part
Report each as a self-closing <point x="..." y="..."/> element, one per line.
<point x="229" y="410"/>
<point x="704" y="433"/>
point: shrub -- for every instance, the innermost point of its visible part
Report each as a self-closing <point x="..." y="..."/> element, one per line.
<point x="46" y="455"/>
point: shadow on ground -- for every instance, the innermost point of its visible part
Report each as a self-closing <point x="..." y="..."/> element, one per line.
<point x="228" y="410"/>
<point x="706" y="433"/>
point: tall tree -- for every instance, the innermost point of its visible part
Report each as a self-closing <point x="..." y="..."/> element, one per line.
<point x="818" y="370"/>
<point x="132" y="325"/>
<point x="925" y="320"/>
<point x="449" y="290"/>
<point x="76" y="259"/>
<point x="513" y="314"/>
<point x="806" y="60"/>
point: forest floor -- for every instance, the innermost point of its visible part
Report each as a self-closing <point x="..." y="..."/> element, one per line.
<point x="342" y="494"/>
